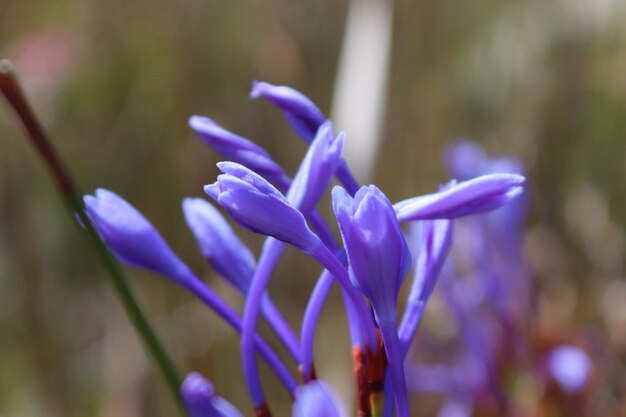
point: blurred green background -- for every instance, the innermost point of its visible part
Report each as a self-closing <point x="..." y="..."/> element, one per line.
<point x="115" y="82"/>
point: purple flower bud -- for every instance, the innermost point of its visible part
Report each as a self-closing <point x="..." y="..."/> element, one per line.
<point x="238" y="149"/>
<point x="379" y="259"/>
<point x="465" y="159"/>
<point x="257" y="205"/>
<point x="374" y="243"/>
<point x="130" y="236"/>
<point x="219" y="244"/>
<point x="200" y="400"/>
<point x="475" y="196"/>
<point x="301" y="113"/>
<point x="315" y="399"/>
<point x="570" y="366"/>
<point x="317" y="169"/>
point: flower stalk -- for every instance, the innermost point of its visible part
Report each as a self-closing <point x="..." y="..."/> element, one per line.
<point x="62" y="178"/>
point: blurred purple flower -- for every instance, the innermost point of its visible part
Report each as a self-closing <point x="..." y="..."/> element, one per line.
<point x="433" y="244"/>
<point x="315" y="399"/>
<point x="570" y="366"/>
<point x="200" y="400"/>
<point x="464" y="159"/>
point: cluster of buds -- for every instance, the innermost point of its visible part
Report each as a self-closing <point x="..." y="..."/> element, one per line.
<point x="369" y="264"/>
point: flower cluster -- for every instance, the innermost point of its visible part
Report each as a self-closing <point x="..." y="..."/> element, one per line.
<point x="369" y="264"/>
<point x="488" y="289"/>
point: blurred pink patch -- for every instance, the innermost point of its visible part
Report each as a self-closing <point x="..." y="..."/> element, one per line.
<point x="43" y="59"/>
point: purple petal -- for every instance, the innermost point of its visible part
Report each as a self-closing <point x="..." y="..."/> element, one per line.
<point x="199" y="397"/>
<point x="257" y="181"/>
<point x="317" y="169"/>
<point x="374" y="243"/>
<point x="130" y="236"/>
<point x="315" y="399"/>
<point x="237" y="148"/>
<point x="257" y="205"/>
<point x="432" y="248"/>
<point x="219" y="243"/>
<point x="466" y="198"/>
<point x="301" y="113"/>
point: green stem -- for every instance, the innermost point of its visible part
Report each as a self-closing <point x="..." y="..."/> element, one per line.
<point x="62" y="178"/>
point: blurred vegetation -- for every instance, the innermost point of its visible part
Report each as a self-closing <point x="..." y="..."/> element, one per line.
<point x="116" y="81"/>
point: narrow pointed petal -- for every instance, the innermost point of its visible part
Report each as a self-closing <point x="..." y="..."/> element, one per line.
<point x="317" y="169"/>
<point x="315" y="399"/>
<point x="475" y="196"/>
<point x="219" y="244"/>
<point x="302" y="114"/>
<point x="130" y="236"/>
<point x="200" y="400"/>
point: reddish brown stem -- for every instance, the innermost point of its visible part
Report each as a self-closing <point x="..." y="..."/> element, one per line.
<point x="377" y="366"/>
<point x="312" y="376"/>
<point x="262" y="411"/>
<point x="15" y="96"/>
<point x="362" y="381"/>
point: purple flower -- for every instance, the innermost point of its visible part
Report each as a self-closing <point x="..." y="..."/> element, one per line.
<point x="570" y="366"/>
<point x="257" y="205"/>
<point x="465" y="159"/>
<point x="219" y="244"/>
<point x="379" y="259"/>
<point x="374" y="243"/>
<point x="238" y="149"/>
<point x="434" y="240"/>
<point x="301" y="113"/>
<point x="317" y="169"/>
<point x="130" y="236"/>
<point x="200" y="400"/>
<point x="315" y="399"/>
<point x="475" y="196"/>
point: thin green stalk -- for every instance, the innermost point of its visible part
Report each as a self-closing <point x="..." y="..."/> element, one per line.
<point x="62" y="178"/>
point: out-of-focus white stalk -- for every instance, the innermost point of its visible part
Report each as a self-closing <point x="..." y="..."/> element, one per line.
<point x="361" y="86"/>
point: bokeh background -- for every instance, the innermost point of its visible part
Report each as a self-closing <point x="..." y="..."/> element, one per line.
<point x="115" y="82"/>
